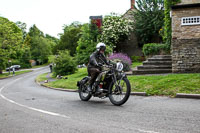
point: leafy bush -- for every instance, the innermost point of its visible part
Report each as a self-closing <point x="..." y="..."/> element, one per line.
<point x="123" y="58"/>
<point x="137" y="58"/>
<point x="65" y="64"/>
<point x="155" y="48"/>
<point x="25" y="65"/>
<point x="115" y="29"/>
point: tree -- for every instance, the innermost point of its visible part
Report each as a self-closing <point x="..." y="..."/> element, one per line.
<point x="115" y="29"/>
<point x="70" y="38"/>
<point x="40" y="47"/>
<point x="2" y="60"/>
<point x="10" y="41"/>
<point x="148" y="16"/>
<point x="53" y="42"/>
<point x="34" y="31"/>
<point x="51" y="38"/>
<point x="22" y="26"/>
<point x="86" y="43"/>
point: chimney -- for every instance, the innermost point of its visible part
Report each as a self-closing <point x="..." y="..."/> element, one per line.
<point x="132" y="4"/>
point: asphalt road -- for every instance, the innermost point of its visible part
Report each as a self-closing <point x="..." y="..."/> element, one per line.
<point x="26" y="107"/>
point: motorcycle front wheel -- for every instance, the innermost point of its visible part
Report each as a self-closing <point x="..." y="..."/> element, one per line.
<point x="120" y="93"/>
<point x="83" y="93"/>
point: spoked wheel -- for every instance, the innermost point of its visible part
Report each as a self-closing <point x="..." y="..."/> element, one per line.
<point x="120" y="93"/>
<point x="83" y="93"/>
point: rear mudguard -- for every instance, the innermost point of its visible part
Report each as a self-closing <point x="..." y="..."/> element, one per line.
<point x="83" y="81"/>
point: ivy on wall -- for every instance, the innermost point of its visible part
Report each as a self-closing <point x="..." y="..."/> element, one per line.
<point x="167" y="19"/>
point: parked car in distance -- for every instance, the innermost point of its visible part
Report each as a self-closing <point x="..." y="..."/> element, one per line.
<point x="17" y="67"/>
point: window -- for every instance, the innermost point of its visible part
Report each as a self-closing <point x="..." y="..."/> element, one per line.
<point x="190" y="20"/>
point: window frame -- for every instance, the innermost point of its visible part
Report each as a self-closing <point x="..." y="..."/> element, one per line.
<point x="194" y="20"/>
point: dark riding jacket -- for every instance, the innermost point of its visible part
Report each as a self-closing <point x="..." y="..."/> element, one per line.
<point x="97" y="58"/>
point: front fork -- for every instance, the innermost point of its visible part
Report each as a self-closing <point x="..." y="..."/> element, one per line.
<point x="117" y="81"/>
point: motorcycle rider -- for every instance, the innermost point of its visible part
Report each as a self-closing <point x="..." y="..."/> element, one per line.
<point x="97" y="59"/>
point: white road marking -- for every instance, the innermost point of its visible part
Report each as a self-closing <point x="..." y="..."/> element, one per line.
<point x="140" y="130"/>
<point x="30" y="108"/>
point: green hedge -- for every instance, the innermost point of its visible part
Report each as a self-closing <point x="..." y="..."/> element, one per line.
<point x="155" y="49"/>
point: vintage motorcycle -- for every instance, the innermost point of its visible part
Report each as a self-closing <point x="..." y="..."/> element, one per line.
<point x="112" y="82"/>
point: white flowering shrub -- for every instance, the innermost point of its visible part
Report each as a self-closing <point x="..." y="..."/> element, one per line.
<point x="115" y="29"/>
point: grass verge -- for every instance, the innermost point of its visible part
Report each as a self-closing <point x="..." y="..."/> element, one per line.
<point x="6" y="75"/>
<point x="135" y="64"/>
<point x="167" y="85"/>
<point x="69" y="83"/>
<point x="41" y="77"/>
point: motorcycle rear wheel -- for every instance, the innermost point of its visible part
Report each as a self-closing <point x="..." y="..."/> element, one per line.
<point x="120" y="94"/>
<point x="83" y="93"/>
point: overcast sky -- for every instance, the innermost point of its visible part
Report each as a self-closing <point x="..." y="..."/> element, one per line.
<point x="50" y="15"/>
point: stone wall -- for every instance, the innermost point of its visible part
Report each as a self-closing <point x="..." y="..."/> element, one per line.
<point x="185" y="55"/>
<point x="185" y="41"/>
<point x="185" y="32"/>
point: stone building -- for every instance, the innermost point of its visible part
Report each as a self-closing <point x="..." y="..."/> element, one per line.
<point x="186" y="36"/>
<point x="130" y="46"/>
